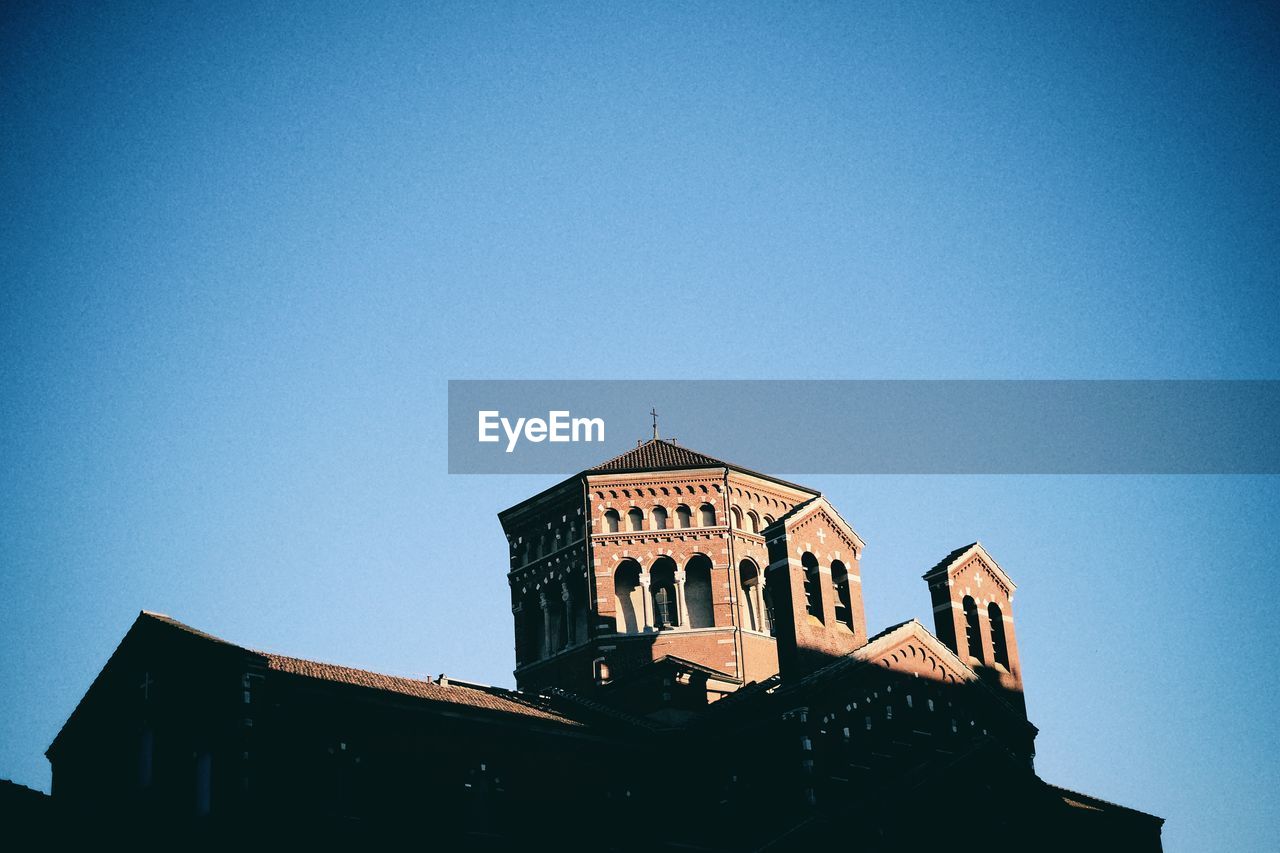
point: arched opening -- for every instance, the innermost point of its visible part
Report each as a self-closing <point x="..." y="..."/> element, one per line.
<point x="611" y="520"/>
<point x="577" y="610"/>
<point x="753" y="522"/>
<point x="768" y="519"/>
<point x="707" y="515"/>
<point x="999" y="648"/>
<point x="697" y="592"/>
<point x="629" y="596"/>
<point x="635" y="518"/>
<point x="737" y="517"/>
<point x="532" y="629"/>
<point x="662" y="586"/>
<point x="972" y="635"/>
<point x="812" y="585"/>
<point x="844" y="605"/>
<point x="659" y="518"/>
<point x="751" y="605"/>
<point x="556" y="606"/>
<point x="770" y="604"/>
<point x="684" y="517"/>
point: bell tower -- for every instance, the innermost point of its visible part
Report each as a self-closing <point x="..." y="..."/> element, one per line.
<point x="814" y="585"/>
<point x="973" y="614"/>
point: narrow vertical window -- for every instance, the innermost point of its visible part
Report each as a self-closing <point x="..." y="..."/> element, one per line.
<point x="999" y="648"/>
<point x="844" y="606"/>
<point x="611" y="520"/>
<point x="972" y="635"/>
<point x="812" y="585"/>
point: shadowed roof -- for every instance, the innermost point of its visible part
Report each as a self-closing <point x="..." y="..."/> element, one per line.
<point x="488" y="698"/>
<point x="464" y="694"/>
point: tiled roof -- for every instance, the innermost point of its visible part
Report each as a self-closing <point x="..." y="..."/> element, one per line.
<point x="490" y="699"/>
<point x="656" y="453"/>
<point x="487" y="698"/>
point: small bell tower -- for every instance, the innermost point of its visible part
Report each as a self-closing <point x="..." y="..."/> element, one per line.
<point x="973" y="614"/>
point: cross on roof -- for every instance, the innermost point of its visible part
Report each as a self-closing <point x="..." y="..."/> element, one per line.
<point x="654" y="413"/>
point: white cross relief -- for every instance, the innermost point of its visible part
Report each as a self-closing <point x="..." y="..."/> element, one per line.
<point x="145" y="686"/>
<point x="822" y="536"/>
<point x="978" y="578"/>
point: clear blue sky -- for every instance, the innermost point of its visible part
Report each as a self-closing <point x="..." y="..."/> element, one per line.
<point x="243" y="249"/>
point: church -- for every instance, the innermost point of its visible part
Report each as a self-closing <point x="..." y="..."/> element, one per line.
<point x="694" y="671"/>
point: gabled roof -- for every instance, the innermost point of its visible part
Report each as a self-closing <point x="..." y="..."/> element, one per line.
<point x="488" y="698"/>
<point x="960" y="555"/>
<point x="818" y="503"/>
<point x="870" y="652"/>
<point x="493" y="699"/>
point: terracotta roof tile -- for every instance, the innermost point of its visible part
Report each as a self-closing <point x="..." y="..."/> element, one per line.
<point x="472" y="696"/>
<point x="656" y="453"/>
<point x="490" y="699"/>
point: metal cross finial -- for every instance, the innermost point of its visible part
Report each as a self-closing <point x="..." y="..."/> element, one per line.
<point x="654" y="413"/>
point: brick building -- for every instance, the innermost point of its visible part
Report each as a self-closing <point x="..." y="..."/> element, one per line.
<point x="694" y="670"/>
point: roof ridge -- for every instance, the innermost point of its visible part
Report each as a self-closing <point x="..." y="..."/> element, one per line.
<point x="649" y="454"/>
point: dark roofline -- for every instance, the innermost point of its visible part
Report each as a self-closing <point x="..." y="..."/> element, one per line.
<point x="1103" y="805"/>
<point x="354" y="678"/>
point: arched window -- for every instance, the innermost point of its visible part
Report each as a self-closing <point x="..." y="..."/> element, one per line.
<point x="844" y="607"/>
<point x="558" y="609"/>
<point x="684" y="518"/>
<point x="768" y="519"/>
<point x="659" y="518"/>
<point x="750" y="605"/>
<point x="812" y="585"/>
<point x="629" y="594"/>
<point x="737" y="517"/>
<point x="533" y="629"/>
<point x="611" y="520"/>
<point x="770" y="610"/>
<point x="697" y="592"/>
<point x="753" y="522"/>
<point x="707" y="515"/>
<point x="999" y="648"/>
<point x="662" y="585"/>
<point x="972" y="636"/>
<point x="577" y="610"/>
<point x="635" y="519"/>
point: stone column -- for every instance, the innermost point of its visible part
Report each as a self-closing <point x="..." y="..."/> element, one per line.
<point x="646" y="602"/>
<point x="546" y="624"/>
<point x="682" y="612"/>
<point x="570" y="625"/>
